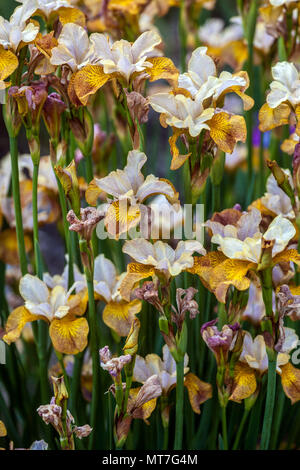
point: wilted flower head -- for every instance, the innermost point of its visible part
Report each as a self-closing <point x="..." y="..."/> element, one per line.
<point x="113" y="365"/>
<point x="288" y="304"/>
<point x="219" y="342"/>
<point x="185" y="304"/>
<point x="52" y="111"/>
<point x="149" y="293"/>
<point x="82" y="431"/>
<point x="89" y="218"/>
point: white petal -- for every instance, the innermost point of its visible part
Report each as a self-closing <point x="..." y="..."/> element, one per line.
<point x="34" y="290"/>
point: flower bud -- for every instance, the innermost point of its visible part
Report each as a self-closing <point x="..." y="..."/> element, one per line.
<point x="60" y="390"/>
<point x="131" y="344"/>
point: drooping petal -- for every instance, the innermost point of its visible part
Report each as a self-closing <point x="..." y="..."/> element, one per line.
<point x="69" y="335"/>
<point x="244" y="382"/>
<point x="290" y="380"/>
<point x="16" y="322"/>
<point x="120" y="315"/>
<point x="198" y="391"/>
<point x="227" y="130"/>
<point x="270" y="118"/>
<point x="88" y="81"/>
<point x="8" y="63"/>
<point x="135" y="273"/>
<point x="162" y="68"/>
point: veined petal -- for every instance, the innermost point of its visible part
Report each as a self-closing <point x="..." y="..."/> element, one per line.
<point x="290" y="380"/>
<point x="69" y="335"/>
<point x="227" y="130"/>
<point x="270" y="118"/>
<point x="8" y="63"/>
<point x="135" y="273"/>
<point x="244" y="382"/>
<point x="121" y="217"/>
<point x="88" y="81"/>
<point x="16" y="322"/>
<point x="3" y="431"/>
<point x="71" y="15"/>
<point x="120" y="315"/>
<point x="198" y="391"/>
<point x="92" y="193"/>
<point x="162" y="68"/>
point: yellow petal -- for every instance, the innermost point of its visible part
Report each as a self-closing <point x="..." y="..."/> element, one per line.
<point x="78" y="303"/>
<point x="16" y="322"/>
<point x="162" y="67"/>
<point x="8" y="63"/>
<point x="204" y="265"/>
<point x="120" y="315"/>
<point x="69" y="335"/>
<point x="270" y="118"/>
<point x="121" y="217"/>
<point x="239" y="90"/>
<point x="218" y="272"/>
<point x="144" y="411"/>
<point x="290" y="380"/>
<point x="131" y="344"/>
<point x="71" y="15"/>
<point x="131" y="7"/>
<point x="244" y="382"/>
<point x="198" y="391"/>
<point x="287" y="255"/>
<point x="92" y="193"/>
<point x="230" y="272"/>
<point x="88" y="81"/>
<point x="227" y="130"/>
<point x="9" y="246"/>
<point x="135" y="273"/>
<point x="3" y="431"/>
<point x="177" y="159"/>
<point x="46" y="43"/>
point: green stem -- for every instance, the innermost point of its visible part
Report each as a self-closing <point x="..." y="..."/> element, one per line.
<point x="37" y="257"/>
<point x="224" y="427"/>
<point x="183" y="36"/>
<point x="179" y="404"/>
<point x="166" y="438"/>
<point x="270" y="401"/>
<point x="95" y="358"/>
<point x="13" y="143"/>
<point x="241" y="428"/>
<point x="250" y="32"/>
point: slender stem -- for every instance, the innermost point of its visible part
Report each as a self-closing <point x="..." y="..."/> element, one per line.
<point x="183" y="36"/>
<point x="241" y="428"/>
<point x="37" y="259"/>
<point x="270" y="401"/>
<point x="166" y="438"/>
<point x="250" y="32"/>
<point x="95" y="358"/>
<point x="224" y="427"/>
<point x="13" y="143"/>
<point x="179" y="404"/>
